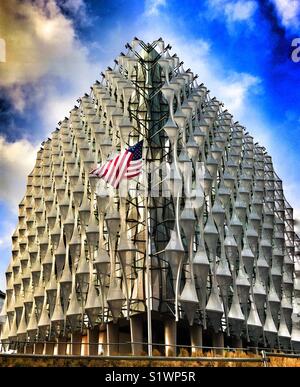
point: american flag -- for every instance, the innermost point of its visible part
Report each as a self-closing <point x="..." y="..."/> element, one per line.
<point x="125" y="165"/>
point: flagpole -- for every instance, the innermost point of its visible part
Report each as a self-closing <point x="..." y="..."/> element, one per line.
<point x="148" y="264"/>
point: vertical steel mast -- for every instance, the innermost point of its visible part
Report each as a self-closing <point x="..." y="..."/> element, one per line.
<point x="148" y="116"/>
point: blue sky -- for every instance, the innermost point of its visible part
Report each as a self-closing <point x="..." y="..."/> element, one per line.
<point x="240" y="49"/>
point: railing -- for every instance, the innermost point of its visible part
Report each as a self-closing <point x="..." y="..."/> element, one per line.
<point x="257" y="349"/>
<point x="25" y="349"/>
<point x="18" y="345"/>
<point x="260" y="359"/>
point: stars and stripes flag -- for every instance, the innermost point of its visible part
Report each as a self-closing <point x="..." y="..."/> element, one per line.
<point x="126" y="165"/>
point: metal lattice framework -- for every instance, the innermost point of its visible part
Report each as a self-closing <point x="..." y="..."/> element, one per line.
<point x="222" y="255"/>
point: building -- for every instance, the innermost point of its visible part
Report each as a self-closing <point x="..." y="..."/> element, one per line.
<point x="210" y="258"/>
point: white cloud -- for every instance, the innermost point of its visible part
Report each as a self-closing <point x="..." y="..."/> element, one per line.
<point x="43" y="52"/>
<point x="233" y="11"/>
<point x="8" y="229"/>
<point x="152" y="7"/>
<point x="77" y="8"/>
<point x="16" y="162"/>
<point x="17" y="95"/>
<point x="34" y="41"/>
<point x="236" y="88"/>
<point x="2" y="50"/>
<point x="289" y="12"/>
<point x="240" y="10"/>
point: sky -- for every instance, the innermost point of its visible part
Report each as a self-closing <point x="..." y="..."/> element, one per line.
<point x="51" y="51"/>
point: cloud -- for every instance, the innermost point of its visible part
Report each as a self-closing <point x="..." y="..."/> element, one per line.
<point x="34" y="41"/>
<point x="240" y="10"/>
<point x="235" y="89"/>
<point x="17" y="95"/>
<point x="152" y="7"/>
<point x="16" y="162"/>
<point x="7" y="229"/>
<point x="289" y="12"/>
<point x="42" y="48"/>
<point x="77" y="9"/>
<point x="234" y="11"/>
<point x="2" y="50"/>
